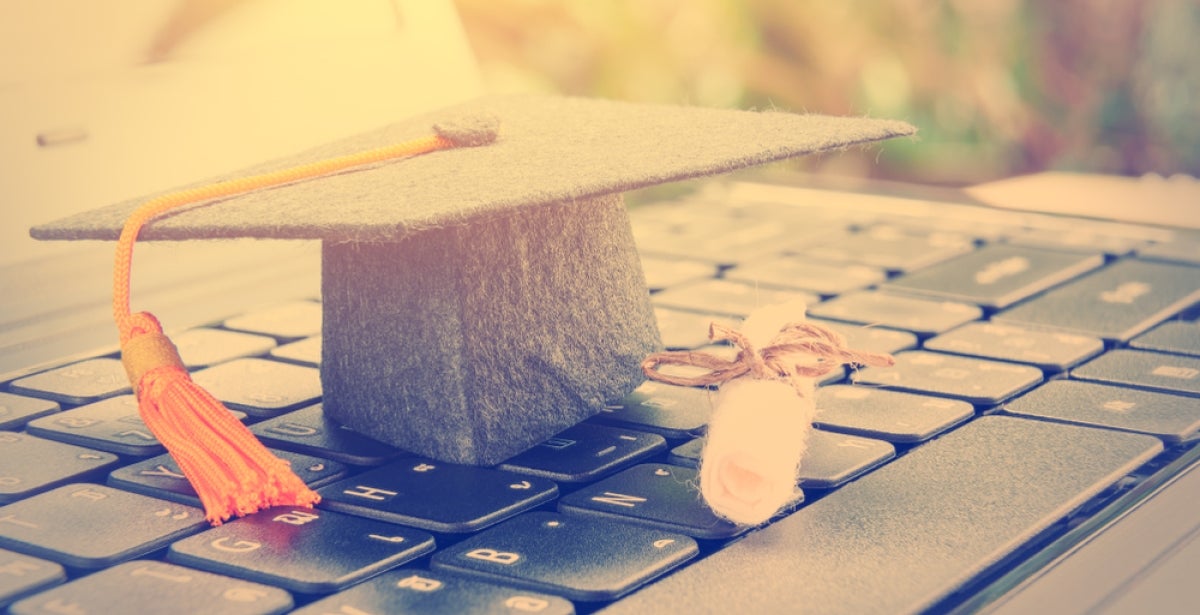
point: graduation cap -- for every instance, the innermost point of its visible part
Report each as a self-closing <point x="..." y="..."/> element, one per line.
<point x="485" y="295"/>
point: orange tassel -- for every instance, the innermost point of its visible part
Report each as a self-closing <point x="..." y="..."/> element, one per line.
<point x="231" y="471"/>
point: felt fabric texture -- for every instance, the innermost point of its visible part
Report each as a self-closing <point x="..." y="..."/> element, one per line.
<point x="479" y="299"/>
<point x="549" y="150"/>
<point x="484" y="340"/>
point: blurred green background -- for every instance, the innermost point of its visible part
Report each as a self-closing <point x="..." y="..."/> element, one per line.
<point x="996" y="87"/>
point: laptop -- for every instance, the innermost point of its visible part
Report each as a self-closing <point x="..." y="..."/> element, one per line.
<point x="1033" y="450"/>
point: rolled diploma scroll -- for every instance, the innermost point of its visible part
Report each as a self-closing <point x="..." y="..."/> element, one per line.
<point x="757" y="434"/>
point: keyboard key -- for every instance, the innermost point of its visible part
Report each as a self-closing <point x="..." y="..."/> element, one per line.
<point x="585" y="452"/>
<point x="726" y="298"/>
<point x="301" y="549"/>
<point x="1115" y="303"/>
<point x="288" y="321"/>
<point x="88" y="526"/>
<point x="437" y="496"/>
<point x="204" y="347"/>
<point x="308" y="431"/>
<point x="674" y="412"/>
<point x="811" y="276"/>
<point x="889" y="247"/>
<point x="1176" y="337"/>
<point x="157" y="587"/>
<point x="1087" y="240"/>
<point x="305" y="352"/>
<point x="871" y="339"/>
<point x="16" y="410"/>
<point x="887" y="415"/>
<point x="924" y="317"/>
<point x="979" y="381"/>
<point x="160" y="476"/>
<point x="667" y="272"/>
<point x="1144" y="370"/>
<point x="21" y="575"/>
<point x="435" y="593"/>
<point x="1052" y="352"/>
<point x="996" y="276"/>
<point x="652" y="495"/>
<point x="955" y="512"/>
<point x="581" y="559"/>
<point x="832" y="459"/>
<point x="261" y="388"/>
<point x="1184" y="249"/>
<point x="111" y="425"/>
<point x="1174" y="418"/>
<point x="30" y="465"/>
<point x="685" y="330"/>
<point x="77" y="383"/>
<point x="719" y="239"/>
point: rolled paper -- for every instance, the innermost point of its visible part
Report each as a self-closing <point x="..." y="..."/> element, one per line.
<point x="758" y="433"/>
<point x="756" y="438"/>
<point x="765" y="406"/>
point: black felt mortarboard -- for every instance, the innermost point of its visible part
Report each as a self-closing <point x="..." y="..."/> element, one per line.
<point x="478" y="300"/>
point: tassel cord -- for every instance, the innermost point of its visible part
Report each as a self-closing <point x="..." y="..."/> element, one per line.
<point x="230" y="470"/>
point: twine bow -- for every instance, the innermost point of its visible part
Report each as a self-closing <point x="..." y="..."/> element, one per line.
<point x="799" y="350"/>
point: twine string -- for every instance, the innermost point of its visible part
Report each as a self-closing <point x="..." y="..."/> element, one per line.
<point x="801" y="350"/>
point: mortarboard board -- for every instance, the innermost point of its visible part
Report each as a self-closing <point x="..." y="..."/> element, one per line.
<point x="478" y="300"/>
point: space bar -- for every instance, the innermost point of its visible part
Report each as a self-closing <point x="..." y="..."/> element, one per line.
<point x="904" y="537"/>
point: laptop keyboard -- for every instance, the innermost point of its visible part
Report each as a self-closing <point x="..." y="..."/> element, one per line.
<point x="1043" y="369"/>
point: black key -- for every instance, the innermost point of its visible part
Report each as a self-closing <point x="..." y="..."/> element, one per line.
<point x="288" y="321"/>
<point x="16" y="410"/>
<point x="261" y="388"/>
<point x="726" y="298"/>
<point x="30" y="465"/>
<point x="305" y="550"/>
<point x="667" y="272"/>
<point x="979" y="381"/>
<point x="673" y="412"/>
<point x="1176" y="337"/>
<point x="1144" y="370"/>
<point x="582" y="559"/>
<point x="997" y="276"/>
<point x="870" y="339"/>
<point x="685" y="330"/>
<point x="88" y="526"/>
<point x="956" y="512"/>
<point x="719" y="239"/>
<point x="77" y="383"/>
<point x="160" y="476"/>
<point x="308" y="431"/>
<point x="893" y="416"/>
<point x="1115" y="303"/>
<point x="923" y="317"/>
<point x="157" y="587"/>
<point x="204" y="347"/>
<point x="807" y="275"/>
<point x="1079" y="239"/>
<point x="1050" y="351"/>
<point x="653" y="495"/>
<point x="1183" y="249"/>
<point x="111" y="425"/>
<point x="1174" y="418"/>
<point x="435" y="593"/>
<point x="437" y="496"/>
<point x="305" y="352"/>
<point x="832" y="459"/>
<point x="21" y="575"/>
<point x="889" y="247"/>
<point x="585" y="452"/>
